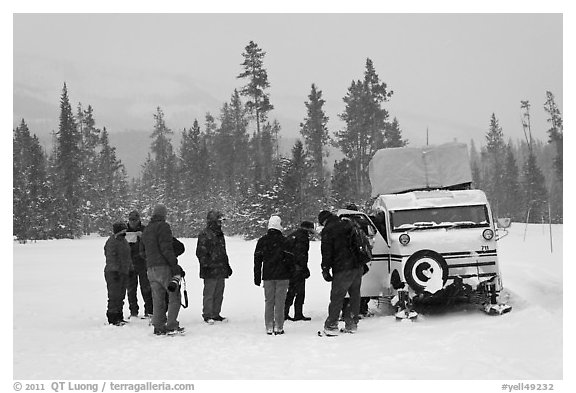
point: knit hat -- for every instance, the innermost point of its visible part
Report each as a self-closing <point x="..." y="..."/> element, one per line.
<point x="274" y="223"/>
<point x="160" y="210"/>
<point x="134" y="215"/>
<point x="119" y="228"/>
<point x="308" y="225"/>
<point x="323" y="216"/>
<point x="214" y="215"/>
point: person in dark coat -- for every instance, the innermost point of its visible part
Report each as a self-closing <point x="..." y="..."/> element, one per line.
<point x="273" y="265"/>
<point x="117" y="253"/>
<point x="346" y="276"/>
<point x="156" y="246"/>
<point x="214" y="266"/>
<point x="139" y="274"/>
<point x="363" y="225"/>
<point x="299" y="244"/>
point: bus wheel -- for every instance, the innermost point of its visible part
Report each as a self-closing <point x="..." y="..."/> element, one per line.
<point x="426" y="271"/>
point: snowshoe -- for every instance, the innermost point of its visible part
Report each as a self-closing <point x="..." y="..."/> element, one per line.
<point x="406" y="314"/>
<point x="497" y="309"/>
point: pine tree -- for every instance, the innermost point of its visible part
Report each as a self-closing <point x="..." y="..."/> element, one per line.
<point x="294" y="196"/>
<point x="365" y="120"/>
<point x="30" y="194"/>
<point x="393" y="135"/>
<point x="555" y="132"/>
<point x="231" y="146"/>
<point x="190" y="146"/>
<point x="268" y="148"/>
<point x="475" y="167"/>
<point x="90" y="143"/>
<point x="68" y="167"/>
<point x="495" y="150"/>
<point x="314" y="130"/>
<point x="162" y="168"/>
<point x="257" y="76"/>
<point x="112" y="187"/>
<point x="376" y="115"/>
<point x="533" y="181"/>
<point x="342" y="184"/>
<point x="509" y="206"/>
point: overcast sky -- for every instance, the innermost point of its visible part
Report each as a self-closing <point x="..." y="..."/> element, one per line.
<point x="449" y="72"/>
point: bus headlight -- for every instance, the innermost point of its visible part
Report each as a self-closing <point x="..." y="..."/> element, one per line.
<point x="404" y="239"/>
<point x="488" y="234"/>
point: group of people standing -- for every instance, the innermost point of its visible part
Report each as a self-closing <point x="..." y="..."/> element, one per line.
<point x="147" y="255"/>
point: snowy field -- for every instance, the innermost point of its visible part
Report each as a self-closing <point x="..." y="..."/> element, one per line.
<point x="60" y="330"/>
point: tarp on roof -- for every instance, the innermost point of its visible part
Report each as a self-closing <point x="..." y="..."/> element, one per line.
<point x="404" y="169"/>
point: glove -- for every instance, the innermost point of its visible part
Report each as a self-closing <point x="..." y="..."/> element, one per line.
<point x="326" y="274"/>
<point x="182" y="272"/>
<point x="229" y="271"/>
<point x="257" y="282"/>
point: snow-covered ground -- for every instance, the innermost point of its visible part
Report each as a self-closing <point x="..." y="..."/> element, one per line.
<point x="60" y="330"/>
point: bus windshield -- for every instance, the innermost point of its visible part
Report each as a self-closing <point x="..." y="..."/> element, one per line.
<point x="440" y="217"/>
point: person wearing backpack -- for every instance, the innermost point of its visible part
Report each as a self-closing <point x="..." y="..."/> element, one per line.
<point x="360" y="242"/>
<point x="298" y="245"/>
<point x="346" y="276"/>
<point x="157" y="248"/>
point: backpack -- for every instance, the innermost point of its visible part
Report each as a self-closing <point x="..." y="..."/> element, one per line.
<point x="359" y="244"/>
<point x="178" y="247"/>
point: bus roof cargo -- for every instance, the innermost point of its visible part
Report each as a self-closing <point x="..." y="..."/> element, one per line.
<point x="403" y="169"/>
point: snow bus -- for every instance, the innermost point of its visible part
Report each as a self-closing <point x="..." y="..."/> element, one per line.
<point x="434" y="238"/>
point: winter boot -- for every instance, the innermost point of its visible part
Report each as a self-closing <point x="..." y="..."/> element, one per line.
<point x="178" y="330"/>
<point x="115" y="319"/>
<point x="298" y="316"/>
<point x="331" y="330"/>
<point x="159" y="332"/>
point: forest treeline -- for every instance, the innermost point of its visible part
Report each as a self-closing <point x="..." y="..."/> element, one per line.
<point x="230" y="161"/>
